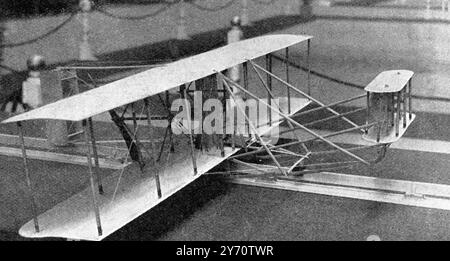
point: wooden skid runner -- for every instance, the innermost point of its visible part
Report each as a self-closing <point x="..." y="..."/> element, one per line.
<point x="60" y="157"/>
<point x="400" y="192"/>
<point x="40" y="149"/>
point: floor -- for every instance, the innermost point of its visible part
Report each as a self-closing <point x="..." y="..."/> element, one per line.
<point x="210" y="209"/>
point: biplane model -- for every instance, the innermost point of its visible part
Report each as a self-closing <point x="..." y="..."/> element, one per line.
<point x="236" y="131"/>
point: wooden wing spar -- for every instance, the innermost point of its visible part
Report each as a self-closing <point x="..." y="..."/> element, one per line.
<point x="157" y="80"/>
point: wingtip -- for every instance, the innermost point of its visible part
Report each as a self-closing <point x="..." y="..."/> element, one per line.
<point x="9" y="120"/>
<point x="15" y="118"/>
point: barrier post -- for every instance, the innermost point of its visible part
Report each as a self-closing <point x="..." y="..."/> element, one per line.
<point x="245" y="20"/>
<point x="31" y="87"/>
<point x="427" y="14"/>
<point x="234" y="35"/>
<point x="181" y="24"/>
<point x="85" y="48"/>
<point x="445" y="5"/>
<point x="306" y="9"/>
<point x="288" y="8"/>
<point x="3" y="33"/>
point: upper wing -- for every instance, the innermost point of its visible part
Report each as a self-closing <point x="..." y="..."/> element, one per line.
<point x="157" y="80"/>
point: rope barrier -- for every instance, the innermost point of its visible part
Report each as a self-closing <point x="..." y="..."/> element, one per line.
<point x="319" y="74"/>
<point x="8" y="68"/>
<point x="50" y="32"/>
<point x="72" y="15"/>
<point x="166" y="6"/>
<point x="212" y="9"/>
<point x="264" y="2"/>
<point x="353" y="85"/>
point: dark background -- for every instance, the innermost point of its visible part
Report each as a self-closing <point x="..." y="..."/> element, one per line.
<point x="26" y="8"/>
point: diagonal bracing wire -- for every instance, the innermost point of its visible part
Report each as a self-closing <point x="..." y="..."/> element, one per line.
<point x="298" y="124"/>
<point x="225" y="81"/>
<point x="127" y="155"/>
<point x="306" y="95"/>
<point x="278" y="106"/>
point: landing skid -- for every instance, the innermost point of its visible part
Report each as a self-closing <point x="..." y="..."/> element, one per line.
<point x="408" y="193"/>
